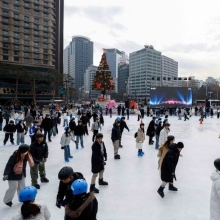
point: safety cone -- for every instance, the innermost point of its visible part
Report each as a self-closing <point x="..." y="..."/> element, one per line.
<point x="200" y="122"/>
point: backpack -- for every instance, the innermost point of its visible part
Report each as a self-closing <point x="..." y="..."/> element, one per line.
<point x="135" y="135"/>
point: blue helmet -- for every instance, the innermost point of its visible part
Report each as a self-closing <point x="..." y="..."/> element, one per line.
<point x="72" y="118"/>
<point x="79" y="186"/>
<point x="27" y="194"/>
<point x="66" y="128"/>
<point x="118" y="118"/>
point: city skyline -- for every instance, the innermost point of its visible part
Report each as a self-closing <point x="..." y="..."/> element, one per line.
<point x="185" y="31"/>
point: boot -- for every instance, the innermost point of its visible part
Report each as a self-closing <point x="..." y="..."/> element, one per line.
<point x="121" y="146"/>
<point x="93" y="189"/>
<point x="117" y="156"/>
<point x="172" y="188"/>
<point x="142" y="152"/>
<point x="102" y="182"/>
<point x="9" y="204"/>
<point x="160" y="191"/>
<point x="37" y="186"/>
<point x="44" y="180"/>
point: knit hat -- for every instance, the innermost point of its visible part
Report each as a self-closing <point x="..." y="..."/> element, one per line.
<point x="39" y="135"/>
<point x="166" y="124"/>
<point x="180" y="145"/>
<point x="23" y="148"/>
<point x="123" y="117"/>
<point x="170" y="138"/>
<point x="11" y="121"/>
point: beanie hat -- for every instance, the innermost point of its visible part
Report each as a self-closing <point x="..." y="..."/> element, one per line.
<point x="23" y="148"/>
<point x="180" y="145"/>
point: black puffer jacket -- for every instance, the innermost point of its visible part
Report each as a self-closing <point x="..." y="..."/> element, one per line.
<point x="65" y="191"/>
<point x="123" y="125"/>
<point x="79" y="131"/>
<point x="10" y="128"/>
<point x="10" y="166"/>
<point x="116" y="133"/>
<point x="47" y="124"/>
<point x="72" y="125"/>
<point x="84" y="208"/>
<point x="39" y="151"/>
<point x="21" y="129"/>
<point x="84" y="120"/>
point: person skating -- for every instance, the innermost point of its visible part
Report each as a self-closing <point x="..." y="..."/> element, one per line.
<point x="122" y="110"/>
<point x="127" y="112"/>
<point x="164" y="134"/>
<point x="79" y="131"/>
<point x="95" y="128"/>
<point x="151" y="131"/>
<point x="47" y="126"/>
<point x="215" y="193"/>
<point x="158" y="130"/>
<point x="140" y="137"/>
<point x="31" y="209"/>
<point x="106" y="110"/>
<point x="21" y="131"/>
<point x="119" y="109"/>
<point x="1" y="120"/>
<point x="72" y="126"/>
<point x="116" y="136"/>
<point x="66" y="176"/>
<point x="83" y="206"/>
<point x="32" y="130"/>
<point x="9" y="130"/>
<point x="163" y="149"/>
<point x="185" y="115"/>
<point x="65" y="143"/>
<point x="101" y="119"/>
<point x="6" y="116"/>
<point x="99" y="156"/>
<point x="85" y="121"/>
<point x="15" y="172"/>
<point x="123" y="125"/>
<point x="54" y="125"/>
<point x="39" y="152"/>
<point x="94" y="115"/>
<point x="169" y="167"/>
<point x="110" y="112"/>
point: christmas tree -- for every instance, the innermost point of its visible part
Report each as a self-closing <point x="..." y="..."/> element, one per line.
<point x="103" y="80"/>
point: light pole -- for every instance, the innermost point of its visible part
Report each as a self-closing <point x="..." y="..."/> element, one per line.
<point x="127" y="86"/>
<point x="210" y="98"/>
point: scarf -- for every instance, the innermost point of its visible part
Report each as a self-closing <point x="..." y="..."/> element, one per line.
<point x="18" y="168"/>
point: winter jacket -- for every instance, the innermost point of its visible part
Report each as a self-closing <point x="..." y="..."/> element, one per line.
<point x="10" y="166"/>
<point x="32" y="130"/>
<point x="96" y="126"/>
<point x="215" y="196"/>
<point x="64" y="190"/>
<point x="6" y="115"/>
<point x="84" y="120"/>
<point x="9" y="128"/>
<point x="28" y="120"/>
<point x="169" y="163"/>
<point x="65" y="140"/>
<point x="162" y="151"/>
<point x="158" y="130"/>
<point x="98" y="155"/>
<point x="47" y="124"/>
<point x="44" y="213"/>
<point x="79" y="131"/>
<point x="82" y="209"/>
<point x="39" y="151"/>
<point x="101" y="119"/>
<point x="123" y="125"/>
<point x="151" y="129"/>
<point x="140" y="136"/>
<point x="116" y="133"/>
<point x="163" y="136"/>
<point x="72" y="125"/>
<point x="21" y="129"/>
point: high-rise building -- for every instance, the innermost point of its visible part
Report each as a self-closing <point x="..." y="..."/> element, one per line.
<point x="114" y="58"/>
<point x="144" y="71"/>
<point x="32" y="33"/>
<point x="78" y="56"/>
<point x="88" y="78"/>
<point x="123" y="74"/>
<point x="169" y="71"/>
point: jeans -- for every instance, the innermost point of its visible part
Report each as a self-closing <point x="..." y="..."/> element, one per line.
<point x="66" y="152"/>
<point x="157" y="142"/>
<point x="54" y="131"/>
<point x="77" y="141"/>
<point x="0" y="126"/>
<point x="65" y="121"/>
<point x="20" y="138"/>
<point x="45" y="134"/>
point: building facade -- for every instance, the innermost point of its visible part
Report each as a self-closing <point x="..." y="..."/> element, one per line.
<point x="78" y="56"/>
<point x="123" y="82"/>
<point x="144" y="71"/>
<point x="31" y="35"/>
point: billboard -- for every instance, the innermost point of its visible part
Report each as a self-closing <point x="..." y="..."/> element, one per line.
<point x="171" y="97"/>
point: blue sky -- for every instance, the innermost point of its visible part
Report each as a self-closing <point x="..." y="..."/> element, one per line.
<point x="186" y="31"/>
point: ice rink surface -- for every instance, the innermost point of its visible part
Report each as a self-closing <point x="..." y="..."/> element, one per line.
<point x="133" y="181"/>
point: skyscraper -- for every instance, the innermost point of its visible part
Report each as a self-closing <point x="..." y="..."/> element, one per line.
<point x="78" y="56"/>
<point x="123" y="74"/>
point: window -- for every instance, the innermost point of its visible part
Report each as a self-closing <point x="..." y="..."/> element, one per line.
<point x="26" y="18"/>
<point x="16" y="53"/>
<point x="5" y="32"/>
<point x="16" y="7"/>
<point x="5" y="51"/>
<point x="36" y="55"/>
<point x="16" y="28"/>
<point x="16" y="40"/>
<point x="5" y="13"/>
<point x="45" y="51"/>
<point x="16" y="34"/>
<point x="5" y="20"/>
<point x="26" y="10"/>
<point x="5" y="38"/>
<point x="36" y="20"/>
<point x="45" y="57"/>
<point x="16" y="46"/>
<point x="5" y="57"/>
<point x="5" y="26"/>
<point x="26" y="60"/>
<point x="36" y="32"/>
<point x="36" y="26"/>
<point x="16" y="22"/>
<point x="26" y="42"/>
<point x="26" y="30"/>
<point x="26" y="4"/>
<point x="36" y="38"/>
<point x="36" y="7"/>
<point x="45" y="3"/>
<point x="36" y="49"/>
<point x="45" y="62"/>
<point x="16" y="58"/>
<point x="26" y="48"/>
<point x="5" y="46"/>
<point x="36" y="43"/>
<point x="36" y="1"/>
<point x="26" y="24"/>
<point x="45" y="39"/>
<point x="45" y="15"/>
<point x="45" y="28"/>
<point x="45" y="34"/>
<point x="26" y="36"/>
<point x="45" y="45"/>
<point x="45" y="9"/>
<point x="16" y="15"/>
<point x="36" y="61"/>
<point x="16" y="1"/>
<point x="26" y="54"/>
<point x="36" y="12"/>
<point x="45" y="22"/>
<point x="4" y="4"/>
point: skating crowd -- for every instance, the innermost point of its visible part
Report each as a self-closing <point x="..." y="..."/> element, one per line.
<point x="72" y="191"/>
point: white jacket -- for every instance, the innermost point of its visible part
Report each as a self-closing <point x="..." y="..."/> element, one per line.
<point x="215" y="196"/>
<point x="44" y="213"/>
<point x="163" y="136"/>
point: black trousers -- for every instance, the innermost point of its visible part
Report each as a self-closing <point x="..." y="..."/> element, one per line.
<point x="7" y="135"/>
<point x="95" y="132"/>
<point x="85" y="130"/>
<point x="150" y="139"/>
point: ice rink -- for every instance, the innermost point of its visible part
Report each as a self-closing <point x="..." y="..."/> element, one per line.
<point x="133" y="181"/>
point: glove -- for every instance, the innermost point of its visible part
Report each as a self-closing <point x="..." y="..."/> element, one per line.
<point x="5" y="177"/>
<point x="58" y="204"/>
<point x="45" y="159"/>
<point x="105" y="158"/>
<point x="174" y="176"/>
<point x="104" y="163"/>
<point x="62" y="148"/>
